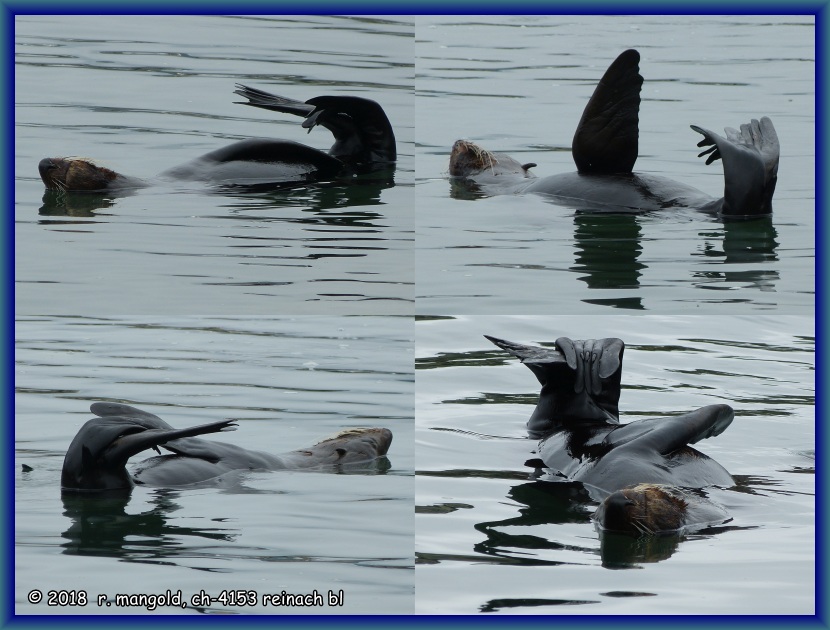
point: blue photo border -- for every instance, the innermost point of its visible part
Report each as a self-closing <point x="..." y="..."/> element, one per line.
<point x="11" y="8"/>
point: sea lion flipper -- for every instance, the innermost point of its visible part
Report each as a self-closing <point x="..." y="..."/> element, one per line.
<point x="108" y="409"/>
<point x="607" y="136"/>
<point x="671" y="434"/>
<point x="750" y="165"/>
<point x="528" y="354"/>
<point x="136" y="442"/>
<point x="96" y="458"/>
<point x="266" y="100"/>
<point x="580" y="381"/>
<point x="361" y="130"/>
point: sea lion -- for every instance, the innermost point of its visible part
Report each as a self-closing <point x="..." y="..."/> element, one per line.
<point x="577" y="419"/>
<point x="650" y="508"/>
<point x="364" y="141"/>
<point x="97" y="457"/>
<point x="581" y="439"/>
<point x="605" y="149"/>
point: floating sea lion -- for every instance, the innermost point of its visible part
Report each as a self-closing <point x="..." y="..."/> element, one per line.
<point x="97" y="457"/>
<point x="650" y="508"/>
<point x="364" y="141"/>
<point x="581" y="439"/>
<point x="605" y="149"/>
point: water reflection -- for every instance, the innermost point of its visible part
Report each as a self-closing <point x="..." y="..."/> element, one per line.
<point x="608" y="247"/>
<point x="101" y="526"/>
<point x="549" y="502"/>
<point x="362" y="190"/>
<point x="743" y="242"/>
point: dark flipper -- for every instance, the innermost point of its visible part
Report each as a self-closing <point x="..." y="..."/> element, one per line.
<point x="580" y="381"/>
<point x="607" y="137"/>
<point x="750" y="166"/>
<point x="98" y="454"/>
<point x="265" y="100"/>
<point x="670" y="434"/>
<point x="361" y="130"/>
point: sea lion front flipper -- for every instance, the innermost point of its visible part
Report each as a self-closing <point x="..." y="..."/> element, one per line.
<point x="607" y="136"/>
<point x="670" y="434"/>
<point x="750" y="165"/>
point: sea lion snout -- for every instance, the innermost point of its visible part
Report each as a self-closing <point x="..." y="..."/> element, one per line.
<point x="45" y="165"/>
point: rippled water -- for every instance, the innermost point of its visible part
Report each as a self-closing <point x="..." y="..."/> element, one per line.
<point x="518" y="85"/>
<point x="141" y="94"/>
<point x="501" y="542"/>
<point x="289" y="383"/>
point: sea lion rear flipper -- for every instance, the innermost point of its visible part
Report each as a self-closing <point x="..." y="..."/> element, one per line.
<point x="750" y="165"/>
<point x="528" y="354"/>
<point x="607" y="136"/>
<point x="110" y="409"/>
<point x="266" y="100"/>
<point x="671" y="434"/>
<point x="361" y="130"/>
<point x="128" y="445"/>
<point x="580" y="381"/>
<point x="96" y="458"/>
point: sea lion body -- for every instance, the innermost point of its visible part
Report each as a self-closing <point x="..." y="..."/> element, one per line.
<point x="580" y="438"/>
<point x="612" y="457"/>
<point x="605" y="148"/>
<point x="97" y="457"/>
<point x="364" y="141"/>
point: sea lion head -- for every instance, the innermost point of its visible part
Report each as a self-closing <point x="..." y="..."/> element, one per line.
<point x="351" y="446"/>
<point x="468" y="159"/>
<point x="642" y="510"/>
<point x="74" y="174"/>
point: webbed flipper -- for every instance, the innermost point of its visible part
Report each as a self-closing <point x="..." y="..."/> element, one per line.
<point x="97" y="456"/>
<point x="362" y="132"/>
<point x="750" y="166"/>
<point x="580" y="381"/>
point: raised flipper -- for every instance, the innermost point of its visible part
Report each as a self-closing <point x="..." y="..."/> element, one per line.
<point x="607" y="136"/>
<point x="361" y="130"/>
<point x="98" y="454"/>
<point x="670" y="434"/>
<point x="110" y="409"/>
<point x="750" y="166"/>
<point x="580" y="381"/>
<point x="266" y="100"/>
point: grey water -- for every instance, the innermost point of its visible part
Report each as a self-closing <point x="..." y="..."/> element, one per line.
<point x="518" y="85"/>
<point x="289" y="383"/>
<point x="501" y="542"/>
<point x="141" y="94"/>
